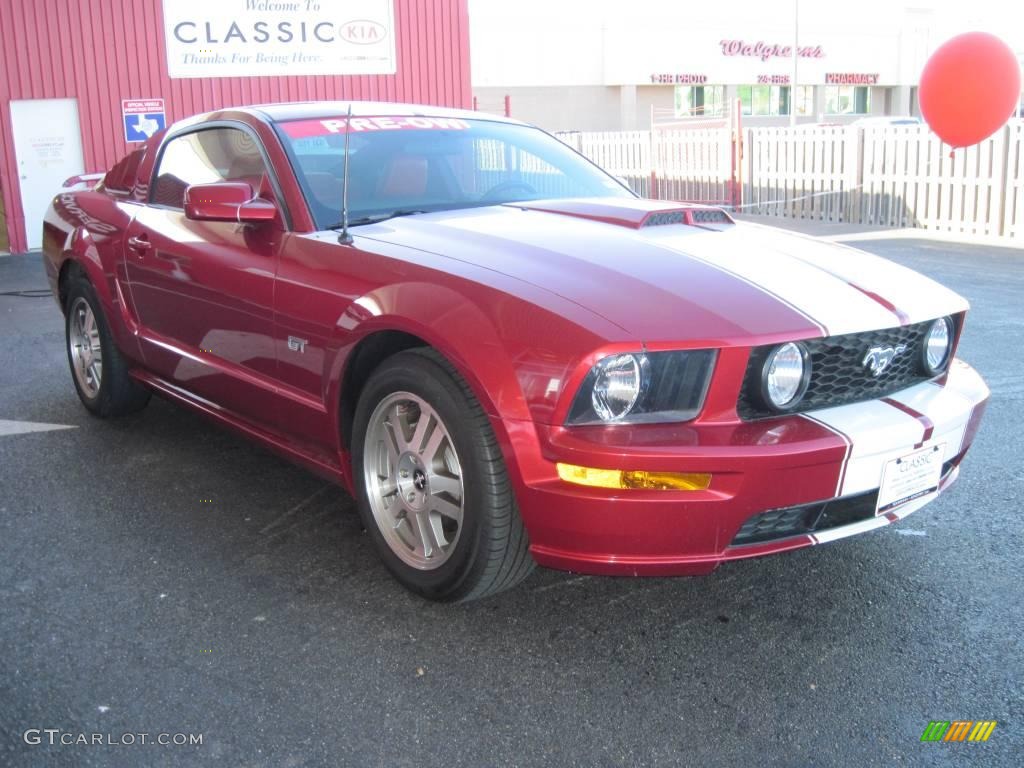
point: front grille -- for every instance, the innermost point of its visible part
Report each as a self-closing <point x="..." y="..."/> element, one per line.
<point x="774" y="524"/>
<point x="809" y="518"/>
<point x="819" y="516"/>
<point x="838" y="373"/>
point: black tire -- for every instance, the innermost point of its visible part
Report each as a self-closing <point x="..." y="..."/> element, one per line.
<point x="491" y="552"/>
<point x="118" y="394"/>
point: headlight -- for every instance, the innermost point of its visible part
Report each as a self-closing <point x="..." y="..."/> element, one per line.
<point x="938" y="343"/>
<point x="785" y="375"/>
<point x="619" y="381"/>
<point x="643" y="388"/>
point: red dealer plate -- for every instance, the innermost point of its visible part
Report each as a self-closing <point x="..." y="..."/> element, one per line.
<point x="302" y="129"/>
<point x="910" y="477"/>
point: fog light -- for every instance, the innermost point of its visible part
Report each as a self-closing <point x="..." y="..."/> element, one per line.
<point x="635" y="479"/>
<point x="938" y="343"/>
<point x="785" y="376"/>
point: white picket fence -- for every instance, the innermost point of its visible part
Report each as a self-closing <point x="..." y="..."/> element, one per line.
<point x="897" y="176"/>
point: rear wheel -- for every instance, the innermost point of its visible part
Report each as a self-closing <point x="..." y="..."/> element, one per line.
<point x="432" y="485"/>
<point x="98" y="370"/>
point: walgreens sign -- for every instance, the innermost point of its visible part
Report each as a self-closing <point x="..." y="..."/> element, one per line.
<point x="765" y="51"/>
<point x="746" y="52"/>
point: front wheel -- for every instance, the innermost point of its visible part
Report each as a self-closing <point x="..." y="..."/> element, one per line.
<point x="98" y="370"/>
<point x="432" y="485"/>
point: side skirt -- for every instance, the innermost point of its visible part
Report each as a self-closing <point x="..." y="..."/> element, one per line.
<point x="317" y="462"/>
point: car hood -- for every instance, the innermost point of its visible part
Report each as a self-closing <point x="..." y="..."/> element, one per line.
<point x="719" y="283"/>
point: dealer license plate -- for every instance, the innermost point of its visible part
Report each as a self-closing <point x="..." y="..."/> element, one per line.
<point x="910" y="477"/>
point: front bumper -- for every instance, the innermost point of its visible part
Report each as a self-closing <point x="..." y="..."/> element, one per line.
<point x="800" y="461"/>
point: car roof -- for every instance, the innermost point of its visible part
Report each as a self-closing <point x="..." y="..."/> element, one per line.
<point x="300" y="110"/>
<point x="315" y="110"/>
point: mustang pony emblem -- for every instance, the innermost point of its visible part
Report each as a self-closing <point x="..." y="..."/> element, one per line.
<point x="878" y="358"/>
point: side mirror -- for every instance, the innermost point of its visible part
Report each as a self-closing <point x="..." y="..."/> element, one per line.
<point x="227" y="201"/>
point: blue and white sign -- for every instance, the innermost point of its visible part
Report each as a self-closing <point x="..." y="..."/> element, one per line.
<point x="142" y="118"/>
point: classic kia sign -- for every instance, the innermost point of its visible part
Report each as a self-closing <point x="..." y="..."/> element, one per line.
<point x="231" y="38"/>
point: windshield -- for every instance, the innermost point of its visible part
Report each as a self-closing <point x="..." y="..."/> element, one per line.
<point x="403" y="165"/>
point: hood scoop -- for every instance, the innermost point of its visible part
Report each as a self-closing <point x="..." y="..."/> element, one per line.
<point x="632" y="213"/>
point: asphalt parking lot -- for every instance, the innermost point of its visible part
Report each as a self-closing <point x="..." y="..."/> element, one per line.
<point x="160" y="575"/>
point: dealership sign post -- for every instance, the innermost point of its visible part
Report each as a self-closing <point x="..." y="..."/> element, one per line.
<point x="244" y="38"/>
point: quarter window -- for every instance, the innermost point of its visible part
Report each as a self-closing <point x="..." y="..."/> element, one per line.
<point x="120" y="180"/>
<point x="205" y="157"/>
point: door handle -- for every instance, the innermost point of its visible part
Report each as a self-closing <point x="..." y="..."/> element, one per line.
<point x="139" y="243"/>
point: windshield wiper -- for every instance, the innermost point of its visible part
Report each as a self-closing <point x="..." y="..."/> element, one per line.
<point x="376" y="218"/>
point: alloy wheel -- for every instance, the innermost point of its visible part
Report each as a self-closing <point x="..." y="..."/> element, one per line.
<point x="85" y="347"/>
<point x="413" y="480"/>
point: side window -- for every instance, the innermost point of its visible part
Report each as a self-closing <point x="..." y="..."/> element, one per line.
<point x="205" y="157"/>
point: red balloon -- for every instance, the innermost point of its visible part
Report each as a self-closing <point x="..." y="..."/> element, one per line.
<point x="969" y="88"/>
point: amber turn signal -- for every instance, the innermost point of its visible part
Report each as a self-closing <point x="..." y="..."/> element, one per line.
<point x="620" y="478"/>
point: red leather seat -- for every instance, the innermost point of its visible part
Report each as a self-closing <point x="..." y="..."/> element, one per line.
<point x="405" y="178"/>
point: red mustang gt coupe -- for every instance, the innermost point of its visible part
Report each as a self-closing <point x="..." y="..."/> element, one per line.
<point x="505" y="355"/>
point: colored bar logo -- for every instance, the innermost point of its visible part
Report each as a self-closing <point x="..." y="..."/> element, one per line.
<point x="958" y="730"/>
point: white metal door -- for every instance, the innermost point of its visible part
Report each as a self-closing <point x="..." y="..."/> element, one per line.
<point x="48" y="148"/>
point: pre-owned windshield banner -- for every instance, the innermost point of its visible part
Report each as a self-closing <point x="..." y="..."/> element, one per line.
<point x="302" y="129"/>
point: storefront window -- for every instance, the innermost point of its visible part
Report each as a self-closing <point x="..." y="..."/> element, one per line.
<point x="847" y="99"/>
<point x="764" y="100"/>
<point x="805" y="99"/>
<point x="700" y="100"/>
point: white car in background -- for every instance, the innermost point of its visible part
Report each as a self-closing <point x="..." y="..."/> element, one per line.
<point x="868" y="122"/>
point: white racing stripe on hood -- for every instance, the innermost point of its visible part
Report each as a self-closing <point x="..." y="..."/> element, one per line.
<point x="915" y="296"/>
<point x="828" y="300"/>
<point x="844" y="290"/>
